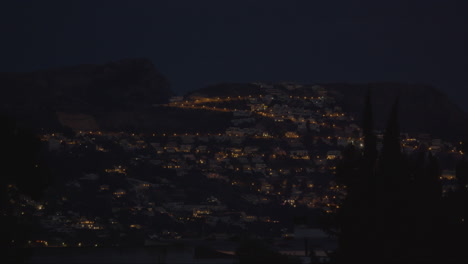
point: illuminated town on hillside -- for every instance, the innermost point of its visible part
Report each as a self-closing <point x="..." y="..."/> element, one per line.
<point x="233" y="132"/>
<point x="209" y="185"/>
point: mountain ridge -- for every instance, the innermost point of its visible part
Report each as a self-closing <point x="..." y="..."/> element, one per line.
<point x="122" y="94"/>
<point x="35" y="98"/>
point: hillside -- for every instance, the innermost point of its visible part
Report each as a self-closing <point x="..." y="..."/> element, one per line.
<point x="124" y="83"/>
<point x="227" y="89"/>
<point x="122" y="95"/>
<point x="423" y="108"/>
<point x="76" y="95"/>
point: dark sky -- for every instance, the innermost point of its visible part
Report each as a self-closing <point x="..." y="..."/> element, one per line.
<point x="197" y="43"/>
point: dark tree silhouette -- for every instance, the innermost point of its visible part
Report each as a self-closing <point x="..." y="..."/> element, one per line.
<point x="370" y="140"/>
<point x="22" y="173"/>
<point x="393" y="190"/>
<point x="394" y="211"/>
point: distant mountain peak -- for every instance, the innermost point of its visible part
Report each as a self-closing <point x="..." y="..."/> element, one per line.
<point x="121" y="83"/>
<point x="128" y="84"/>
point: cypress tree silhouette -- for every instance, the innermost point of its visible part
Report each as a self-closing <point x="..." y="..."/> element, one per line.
<point x="348" y="174"/>
<point x="368" y="169"/>
<point x="370" y="140"/>
<point x="391" y="149"/>
<point x="369" y="187"/>
<point x="393" y="189"/>
<point x="422" y="212"/>
<point x="357" y="218"/>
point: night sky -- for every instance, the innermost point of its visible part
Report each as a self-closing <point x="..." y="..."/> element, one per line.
<point x="197" y="43"/>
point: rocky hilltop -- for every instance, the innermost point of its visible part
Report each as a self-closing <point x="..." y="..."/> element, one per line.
<point x="52" y="97"/>
<point x="124" y="83"/>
